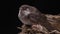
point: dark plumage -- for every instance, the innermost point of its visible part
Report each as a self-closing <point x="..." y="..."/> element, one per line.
<point x="30" y="15"/>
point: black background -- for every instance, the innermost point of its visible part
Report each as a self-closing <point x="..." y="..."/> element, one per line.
<point x="10" y="16"/>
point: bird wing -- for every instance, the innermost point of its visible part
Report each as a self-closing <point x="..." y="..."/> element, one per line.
<point x="54" y="20"/>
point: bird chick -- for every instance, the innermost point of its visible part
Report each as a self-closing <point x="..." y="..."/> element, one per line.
<point x="30" y="15"/>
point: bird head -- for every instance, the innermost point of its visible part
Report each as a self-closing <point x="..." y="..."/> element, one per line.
<point x="28" y="14"/>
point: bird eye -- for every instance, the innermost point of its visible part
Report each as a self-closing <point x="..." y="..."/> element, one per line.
<point x="34" y="17"/>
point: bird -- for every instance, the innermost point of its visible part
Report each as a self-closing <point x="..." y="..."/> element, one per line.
<point x="30" y="15"/>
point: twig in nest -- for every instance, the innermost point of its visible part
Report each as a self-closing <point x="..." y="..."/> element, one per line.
<point x="55" y="31"/>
